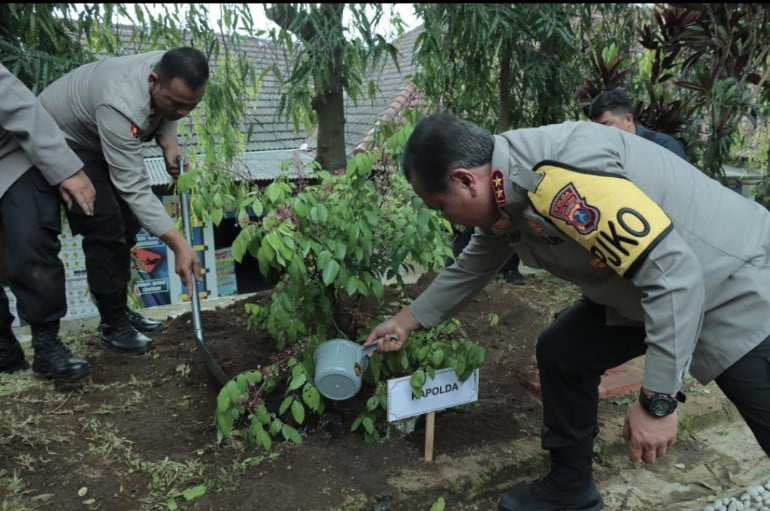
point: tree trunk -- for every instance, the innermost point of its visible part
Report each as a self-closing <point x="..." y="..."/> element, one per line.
<point x="328" y="104"/>
<point x="504" y="90"/>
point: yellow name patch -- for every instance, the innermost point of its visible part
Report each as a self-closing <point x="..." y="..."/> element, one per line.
<point x="605" y="213"/>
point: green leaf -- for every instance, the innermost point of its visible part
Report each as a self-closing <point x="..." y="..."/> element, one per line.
<point x="223" y="401"/>
<point x="290" y="433"/>
<point x="311" y="396"/>
<point x="171" y="504"/>
<point x="258" y="207"/>
<point x="261" y="437"/>
<point x="368" y="425"/>
<point x="224" y="425"/>
<point x="439" y="505"/>
<point x="194" y="492"/>
<point x="233" y="391"/>
<point x="417" y="380"/>
<point x="285" y="404"/>
<point x="438" y="358"/>
<point x="323" y="259"/>
<point x="297" y="382"/>
<point x="330" y="272"/>
<point x="217" y="215"/>
<point x="298" y="411"/>
<point x="185" y="181"/>
<point x="350" y="286"/>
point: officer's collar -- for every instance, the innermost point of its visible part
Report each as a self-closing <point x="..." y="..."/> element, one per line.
<point x="510" y="182"/>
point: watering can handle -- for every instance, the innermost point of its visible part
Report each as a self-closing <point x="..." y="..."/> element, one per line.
<point x="373" y="346"/>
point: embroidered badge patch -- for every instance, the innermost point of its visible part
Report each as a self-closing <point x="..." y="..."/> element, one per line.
<point x="597" y="263"/>
<point x="498" y="187"/>
<point x="502" y="225"/>
<point x="133" y="130"/>
<point x="535" y="226"/>
<point x="569" y="206"/>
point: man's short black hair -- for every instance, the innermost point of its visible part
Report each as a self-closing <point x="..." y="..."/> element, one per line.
<point x="614" y="100"/>
<point x="186" y="63"/>
<point x="441" y="143"/>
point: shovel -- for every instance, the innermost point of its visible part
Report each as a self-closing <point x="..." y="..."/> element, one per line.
<point x="211" y="366"/>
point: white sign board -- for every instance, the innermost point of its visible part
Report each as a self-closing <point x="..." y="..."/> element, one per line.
<point x="443" y="391"/>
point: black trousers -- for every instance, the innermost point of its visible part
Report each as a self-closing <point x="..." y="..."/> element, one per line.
<point x="577" y="348"/>
<point x="31" y="223"/>
<point x="108" y="237"/>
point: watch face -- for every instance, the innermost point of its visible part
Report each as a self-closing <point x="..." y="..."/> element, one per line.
<point x="660" y="407"/>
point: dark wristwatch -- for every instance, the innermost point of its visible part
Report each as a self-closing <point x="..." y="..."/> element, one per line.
<point x="660" y="404"/>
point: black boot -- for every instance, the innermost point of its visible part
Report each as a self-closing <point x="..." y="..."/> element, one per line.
<point x="11" y="354"/>
<point x="121" y="336"/>
<point x="514" y="277"/>
<point x="138" y="321"/>
<point x="11" y="357"/>
<point x="141" y="323"/>
<point x="53" y="359"/>
<point x="568" y="487"/>
<point x="546" y="495"/>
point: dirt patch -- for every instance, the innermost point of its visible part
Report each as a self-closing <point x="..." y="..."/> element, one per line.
<point x="141" y="436"/>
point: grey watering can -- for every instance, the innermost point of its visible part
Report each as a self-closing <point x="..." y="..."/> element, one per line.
<point x="339" y="367"/>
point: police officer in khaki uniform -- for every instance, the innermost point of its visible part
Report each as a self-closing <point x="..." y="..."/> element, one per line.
<point x="107" y="110"/>
<point x="675" y="266"/>
<point x="34" y="160"/>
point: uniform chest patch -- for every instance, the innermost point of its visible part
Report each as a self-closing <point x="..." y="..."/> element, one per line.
<point x="605" y="213"/>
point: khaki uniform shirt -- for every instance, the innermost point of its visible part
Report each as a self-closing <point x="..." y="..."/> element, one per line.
<point x="640" y="230"/>
<point x="105" y="107"/>
<point x="28" y="136"/>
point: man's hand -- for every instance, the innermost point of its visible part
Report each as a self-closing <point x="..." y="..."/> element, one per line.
<point x="188" y="265"/>
<point x="171" y="151"/>
<point x="172" y="165"/>
<point x="394" y="331"/>
<point x="81" y="189"/>
<point x="648" y="437"/>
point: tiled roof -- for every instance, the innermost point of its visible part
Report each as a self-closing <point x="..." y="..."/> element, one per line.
<point x="254" y="165"/>
<point x="395" y="93"/>
<point x="274" y="139"/>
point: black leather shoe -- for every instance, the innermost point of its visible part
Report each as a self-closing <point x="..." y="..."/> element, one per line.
<point x="544" y="495"/>
<point x="12" y="358"/>
<point x="515" y="278"/>
<point x="54" y="360"/>
<point x="141" y="323"/>
<point x="124" y="338"/>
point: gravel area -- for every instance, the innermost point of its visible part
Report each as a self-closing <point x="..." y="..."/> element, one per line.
<point x="756" y="498"/>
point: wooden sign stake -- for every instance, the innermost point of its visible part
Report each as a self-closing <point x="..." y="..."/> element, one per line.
<point x="430" y="424"/>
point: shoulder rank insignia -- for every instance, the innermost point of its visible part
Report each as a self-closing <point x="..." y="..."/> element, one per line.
<point x="498" y="186"/>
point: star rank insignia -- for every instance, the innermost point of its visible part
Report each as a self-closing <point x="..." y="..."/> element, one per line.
<point x="498" y="187"/>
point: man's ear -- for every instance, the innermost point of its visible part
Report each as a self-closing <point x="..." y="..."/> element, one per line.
<point x="153" y="79"/>
<point x="463" y="177"/>
<point x="467" y="179"/>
